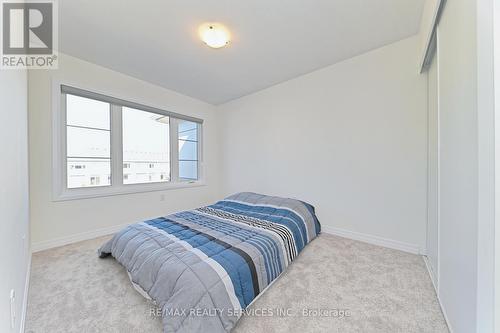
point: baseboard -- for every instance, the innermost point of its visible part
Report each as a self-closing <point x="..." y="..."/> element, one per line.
<point x="25" y="296"/>
<point x="61" y="241"/>
<point x="375" y="240"/>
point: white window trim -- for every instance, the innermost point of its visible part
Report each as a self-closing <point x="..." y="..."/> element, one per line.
<point x="60" y="192"/>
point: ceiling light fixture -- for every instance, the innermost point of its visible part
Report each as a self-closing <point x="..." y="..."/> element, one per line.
<point x="214" y="35"/>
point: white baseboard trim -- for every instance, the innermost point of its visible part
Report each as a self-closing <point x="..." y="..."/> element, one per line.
<point x="25" y="296"/>
<point x="375" y="240"/>
<point x="61" y="241"/>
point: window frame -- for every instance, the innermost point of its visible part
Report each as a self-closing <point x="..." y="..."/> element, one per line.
<point x="59" y="159"/>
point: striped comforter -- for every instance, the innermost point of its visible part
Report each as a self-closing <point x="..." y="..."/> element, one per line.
<point x="203" y="267"/>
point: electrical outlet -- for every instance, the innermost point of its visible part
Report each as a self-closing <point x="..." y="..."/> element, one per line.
<point x="162" y="197"/>
<point x="12" y="308"/>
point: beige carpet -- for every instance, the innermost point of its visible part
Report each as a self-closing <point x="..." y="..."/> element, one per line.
<point x="379" y="289"/>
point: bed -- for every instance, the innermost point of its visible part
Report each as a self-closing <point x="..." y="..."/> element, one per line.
<point x="205" y="266"/>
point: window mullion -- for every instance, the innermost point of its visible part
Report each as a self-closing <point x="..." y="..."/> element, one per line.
<point x="174" y="150"/>
<point x="62" y="162"/>
<point x="116" y="146"/>
<point x="199" y="148"/>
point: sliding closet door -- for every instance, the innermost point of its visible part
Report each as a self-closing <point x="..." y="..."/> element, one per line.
<point x="433" y="168"/>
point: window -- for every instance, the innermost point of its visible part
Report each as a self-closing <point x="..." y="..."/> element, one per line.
<point x="146" y="144"/>
<point x="88" y="141"/>
<point x="112" y="146"/>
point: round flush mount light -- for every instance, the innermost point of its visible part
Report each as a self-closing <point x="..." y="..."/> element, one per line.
<point x="214" y="35"/>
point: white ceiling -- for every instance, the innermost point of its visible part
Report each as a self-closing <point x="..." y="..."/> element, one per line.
<point x="273" y="41"/>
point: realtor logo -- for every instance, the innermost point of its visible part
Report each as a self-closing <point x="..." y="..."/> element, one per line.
<point x="29" y="34"/>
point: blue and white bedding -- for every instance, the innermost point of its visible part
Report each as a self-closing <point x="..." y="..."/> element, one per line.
<point x="203" y="267"/>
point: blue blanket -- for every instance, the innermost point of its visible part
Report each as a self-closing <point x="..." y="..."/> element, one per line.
<point x="204" y="266"/>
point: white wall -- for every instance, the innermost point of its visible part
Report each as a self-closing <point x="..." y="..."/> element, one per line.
<point x="14" y="205"/>
<point x="351" y="139"/>
<point x="58" y="222"/>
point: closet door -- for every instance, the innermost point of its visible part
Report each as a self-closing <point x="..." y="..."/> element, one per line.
<point x="433" y="170"/>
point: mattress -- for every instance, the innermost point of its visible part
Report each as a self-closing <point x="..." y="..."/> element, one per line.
<point x="204" y="267"/>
